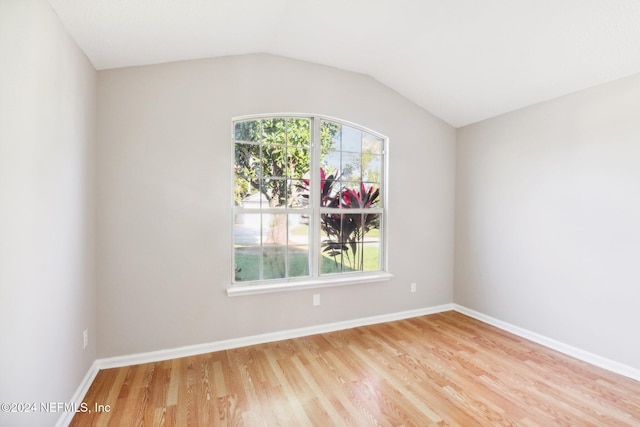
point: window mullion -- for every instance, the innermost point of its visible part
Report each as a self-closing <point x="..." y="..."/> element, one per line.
<point x="314" y="248"/>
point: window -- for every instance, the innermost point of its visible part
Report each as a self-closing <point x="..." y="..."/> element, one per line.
<point x="308" y="200"/>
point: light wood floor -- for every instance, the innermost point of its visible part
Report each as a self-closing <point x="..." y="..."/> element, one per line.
<point x="441" y="369"/>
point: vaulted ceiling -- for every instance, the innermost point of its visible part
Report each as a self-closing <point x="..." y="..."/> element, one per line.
<point x="462" y="60"/>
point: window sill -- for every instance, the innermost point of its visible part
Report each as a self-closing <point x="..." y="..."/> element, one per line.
<point x="239" y="290"/>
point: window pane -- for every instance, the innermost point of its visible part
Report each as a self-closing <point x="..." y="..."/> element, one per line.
<point x="274" y="229"/>
<point x="299" y="229"/>
<point x="274" y="160"/>
<point x="298" y="162"/>
<point x="371" y="144"/>
<point x="329" y="190"/>
<point x="246" y="230"/>
<point x="247" y="263"/>
<point x="298" y="261"/>
<point x="350" y="227"/>
<point x="334" y="237"/>
<point x="371" y="227"/>
<point x="330" y="228"/>
<point x="330" y="136"/>
<point x="351" y="234"/>
<point x="246" y="240"/>
<point x="274" y="262"/>
<point x="359" y="195"/>
<point x="353" y="257"/>
<point x="297" y="194"/>
<point x="298" y="132"/>
<point x="351" y="167"/>
<point x="247" y="131"/>
<point x="241" y="189"/>
<point x="330" y="261"/>
<point x="372" y="168"/>
<point x="371" y="197"/>
<point x="351" y="195"/>
<point x="371" y="256"/>
<point x="330" y="162"/>
<point x="274" y="131"/>
<point x="276" y="193"/>
<point x="351" y="139"/>
<point x="378" y="198"/>
<point x="248" y="162"/>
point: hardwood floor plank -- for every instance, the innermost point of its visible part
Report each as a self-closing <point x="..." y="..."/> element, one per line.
<point x="444" y="369"/>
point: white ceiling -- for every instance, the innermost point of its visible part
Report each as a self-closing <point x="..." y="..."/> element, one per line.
<point x="462" y="60"/>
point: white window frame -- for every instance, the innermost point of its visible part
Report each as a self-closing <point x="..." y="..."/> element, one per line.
<point x="315" y="280"/>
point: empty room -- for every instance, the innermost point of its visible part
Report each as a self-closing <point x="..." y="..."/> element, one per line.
<point x="319" y="213"/>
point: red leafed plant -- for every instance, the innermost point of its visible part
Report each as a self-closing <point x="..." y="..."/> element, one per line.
<point x="345" y="232"/>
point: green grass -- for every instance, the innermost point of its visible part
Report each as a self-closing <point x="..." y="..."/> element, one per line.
<point x="373" y="233"/>
<point x="248" y="260"/>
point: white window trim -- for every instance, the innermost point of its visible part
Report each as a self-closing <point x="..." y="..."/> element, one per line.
<point x="342" y="279"/>
<point x="314" y="283"/>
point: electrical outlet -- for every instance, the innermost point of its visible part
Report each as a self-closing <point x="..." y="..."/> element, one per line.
<point x="413" y="287"/>
<point x="85" y="338"/>
<point x="316" y="299"/>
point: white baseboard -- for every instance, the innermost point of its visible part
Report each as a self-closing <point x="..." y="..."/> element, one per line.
<point x="192" y="350"/>
<point x="77" y="397"/>
<point x="578" y="353"/>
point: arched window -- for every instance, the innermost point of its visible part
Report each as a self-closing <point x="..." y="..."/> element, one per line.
<point x="309" y="200"/>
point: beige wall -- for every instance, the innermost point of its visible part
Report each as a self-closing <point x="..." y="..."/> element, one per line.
<point x="47" y="288"/>
<point x="547" y="219"/>
<point x="164" y="185"/>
